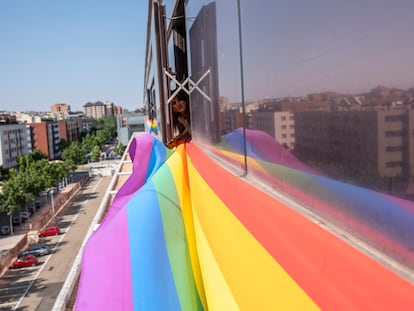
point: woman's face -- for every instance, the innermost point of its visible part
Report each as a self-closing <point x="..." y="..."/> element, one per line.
<point x="179" y="106"/>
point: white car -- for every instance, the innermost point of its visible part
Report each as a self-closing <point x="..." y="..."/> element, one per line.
<point x="5" y="230"/>
<point x="24" y="216"/>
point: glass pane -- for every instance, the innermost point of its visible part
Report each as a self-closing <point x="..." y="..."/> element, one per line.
<point x="214" y="64"/>
<point x="328" y="96"/>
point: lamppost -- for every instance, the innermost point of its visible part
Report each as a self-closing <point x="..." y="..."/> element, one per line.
<point x="53" y="202"/>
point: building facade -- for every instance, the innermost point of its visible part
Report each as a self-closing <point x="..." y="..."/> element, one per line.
<point x="95" y="110"/>
<point x="280" y="125"/>
<point x="13" y="143"/>
<point x="127" y="124"/>
<point x="69" y="130"/>
<point x="377" y="145"/>
<point x="45" y="136"/>
<point x="60" y="108"/>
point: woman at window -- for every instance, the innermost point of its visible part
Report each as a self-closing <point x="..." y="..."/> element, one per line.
<point x="180" y="120"/>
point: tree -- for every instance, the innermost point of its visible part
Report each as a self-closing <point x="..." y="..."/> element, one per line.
<point x="107" y="125"/>
<point x="119" y="149"/>
<point x="88" y="142"/>
<point x="95" y="154"/>
<point x="74" y="153"/>
<point x="12" y="196"/>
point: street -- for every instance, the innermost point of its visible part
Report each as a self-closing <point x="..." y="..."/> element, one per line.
<point x="36" y="288"/>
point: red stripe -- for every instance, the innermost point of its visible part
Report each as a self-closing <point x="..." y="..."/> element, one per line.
<point x="333" y="273"/>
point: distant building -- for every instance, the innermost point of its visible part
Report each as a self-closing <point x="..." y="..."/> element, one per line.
<point x="280" y="125"/>
<point x="7" y="119"/>
<point x="60" y="108"/>
<point x="69" y="130"/>
<point x="59" y="111"/>
<point x="127" y="124"/>
<point x="13" y="143"/>
<point x="119" y="110"/>
<point x="373" y="144"/>
<point x="109" y="108"/>
<point x="230" y="120"/>
<point x="45" y="136"/>
<point x="95" y="110"/>
<point x="28" y="118"/>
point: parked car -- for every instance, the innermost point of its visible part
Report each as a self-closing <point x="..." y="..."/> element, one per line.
<point x="31" y="210"/>
<point x="49" y="230"/>
<point x="24" y="216"/>
<point x="16" y="220"/>
<point x="26" y="261"/>
<point x="5" y="230"/>
<point x="38" y="250"/>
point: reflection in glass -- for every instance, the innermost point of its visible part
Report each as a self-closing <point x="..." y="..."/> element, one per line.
<point x="329" y="103"/>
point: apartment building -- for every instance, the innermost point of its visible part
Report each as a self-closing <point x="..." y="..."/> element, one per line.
<point x="377" y="144"/>
<point x="95" y="110"/>
<point x="60" y="108"/>
<point x="109" y="108"/>
<point x="279" y="124"/>
<point x="69" y="130"/>
<point x="127" y="124"/>
<point x="13" y="143"/>
<point x="45" y="136"/>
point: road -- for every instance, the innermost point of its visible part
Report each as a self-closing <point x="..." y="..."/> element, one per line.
<point x="36" y="288"/>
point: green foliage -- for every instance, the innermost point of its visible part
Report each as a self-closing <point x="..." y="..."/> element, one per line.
<point x="29" y="180"/>
<point x="107" y="125"/>
<point x="63" y="144"/>
<point x="119" y="149"/>
<point x="27" y="160"/>
<point x="35" y="173"/>
<point x="4" y="173"/>
<point x="13" y="195"/>
<point x="95" y="154"/>
<point x="74" y="153"/>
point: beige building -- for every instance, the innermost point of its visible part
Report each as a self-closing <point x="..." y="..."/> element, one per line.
<point x="95" y="110"/>
<point x="279" y="124"/>
<point x="375" y="146"/>
<point x="60" y="108"/>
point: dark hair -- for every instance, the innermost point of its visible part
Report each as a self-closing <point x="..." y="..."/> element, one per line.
<point x="181" y="95"/>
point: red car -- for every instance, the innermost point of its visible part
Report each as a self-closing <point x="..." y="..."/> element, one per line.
<point x="49" y="230"/>
<point x="26" y="261"/>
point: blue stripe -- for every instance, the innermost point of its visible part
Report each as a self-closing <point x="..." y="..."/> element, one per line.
<point x="153" y="285"/>
<point x="157" y="157"/>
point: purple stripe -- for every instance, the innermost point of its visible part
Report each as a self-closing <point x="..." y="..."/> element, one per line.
<point x="140" y="153"/>
<point x="106" y="261"/>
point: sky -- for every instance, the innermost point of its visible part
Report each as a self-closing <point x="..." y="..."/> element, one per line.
<point x="298" y="47"/>
<point x="71" y="51"/>
<point x="79" y="51"/>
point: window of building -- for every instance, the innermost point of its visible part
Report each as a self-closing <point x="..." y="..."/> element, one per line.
<point x="393" y="148"/>
<point x="393" y="164"/>
<point x="393" y="134"/>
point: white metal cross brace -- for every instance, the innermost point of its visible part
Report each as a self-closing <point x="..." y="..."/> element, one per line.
<point x="192" y="86"/>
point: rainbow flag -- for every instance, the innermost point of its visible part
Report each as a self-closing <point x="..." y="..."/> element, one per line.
<point x="152" y="126"/>
<point x="184" y="234"/>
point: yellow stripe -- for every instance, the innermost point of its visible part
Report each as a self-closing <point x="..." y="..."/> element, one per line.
<point x="175" y="163"/>
<point x="252" y="162"/>
<point x="238" y="273"/>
